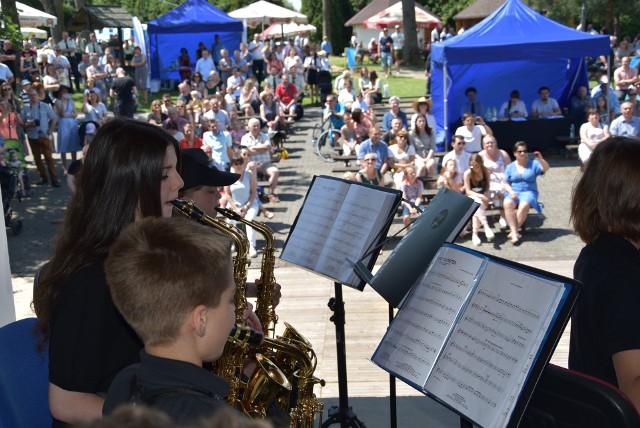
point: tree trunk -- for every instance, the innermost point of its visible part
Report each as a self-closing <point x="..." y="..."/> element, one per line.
<point x="79" y="4"/>
<point x="411" y="52"/>
<point x="326" y="18"/>
<point x="56" y="8"/>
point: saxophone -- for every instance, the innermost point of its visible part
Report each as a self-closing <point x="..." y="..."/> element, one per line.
<point x="265" y="310"/>
<point x="292" y="353"/>
<point x="230" y="365"/>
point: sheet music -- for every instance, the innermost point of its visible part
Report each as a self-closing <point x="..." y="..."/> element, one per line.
<point x="489" y="355"/>
<point x="421" y="327"/>
<point x="354" y="229"/>
<point x="322" y="205"/>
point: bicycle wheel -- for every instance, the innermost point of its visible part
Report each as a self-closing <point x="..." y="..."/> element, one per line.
<point x="315" y="133"/>
<point x="328" y="141"/>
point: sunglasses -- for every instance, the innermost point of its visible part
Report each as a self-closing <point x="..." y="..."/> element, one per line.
<point x="401" y="136"/>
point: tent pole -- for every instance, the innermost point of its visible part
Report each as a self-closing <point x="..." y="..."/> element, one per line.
<point x="446" y="106"/>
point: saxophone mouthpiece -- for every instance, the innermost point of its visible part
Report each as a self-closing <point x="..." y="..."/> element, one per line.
<point x="229" y="213"/>
<point x="246" y="335"/>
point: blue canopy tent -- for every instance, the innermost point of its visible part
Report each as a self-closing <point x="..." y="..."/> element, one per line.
<point x="186" y="26"/>
<point x="513" y="48"/>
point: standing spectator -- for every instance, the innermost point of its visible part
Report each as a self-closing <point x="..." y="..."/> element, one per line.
<point x="216" y="50"/>
<point x="435" y="33"/>
<point x="398" y="46"/>
<point x="29" y="67"/>
<point x="445" y="34"/>
<point x="69" y="47"/>
<point x="386" y="48"/>
<point x="94" y="110"/>
<point x="139" y="63"/>
<point x="326" y="45"/>
<point x="93" y="47"/>
<point x="626" y="125"/>
<point x="124" y="90"/>
<point x="205" y="64"/>
<point x="68" y="137"/>
<point x="9" y="57"/>
<point x="259" y="147"/>
<point x="255" y="49"/>
<point x="96" y="73"/>
<point x="39" y="121"/>
<point x="82" y="67"/>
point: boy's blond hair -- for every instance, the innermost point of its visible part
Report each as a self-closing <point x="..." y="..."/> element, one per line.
<point x="160" y="269"/>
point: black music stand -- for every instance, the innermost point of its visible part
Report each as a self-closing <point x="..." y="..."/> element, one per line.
<point x="343" y="413"/>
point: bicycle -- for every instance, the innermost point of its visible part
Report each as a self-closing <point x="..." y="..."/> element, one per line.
<point x="325" y="139"/>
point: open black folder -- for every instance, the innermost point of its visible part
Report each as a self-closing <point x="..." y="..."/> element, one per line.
<point x="475" y="333"/>
<point x="339" y="223"/>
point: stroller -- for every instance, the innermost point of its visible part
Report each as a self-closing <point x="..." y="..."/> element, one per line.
<point x="8" y="187"/>
<point x="325" y="84"/>
<point x="23" y="188"/>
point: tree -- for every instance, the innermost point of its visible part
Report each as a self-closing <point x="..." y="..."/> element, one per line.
<point x="326" y="18"/>
<point x="411" y="52"/>
<point x="11" y="28"/>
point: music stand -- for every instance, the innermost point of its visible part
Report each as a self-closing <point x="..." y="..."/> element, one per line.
<point x="343" y="413"/>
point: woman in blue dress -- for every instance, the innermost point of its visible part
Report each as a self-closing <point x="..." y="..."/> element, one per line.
<point x="521" y="188"/>
<point x="68" y="137"/>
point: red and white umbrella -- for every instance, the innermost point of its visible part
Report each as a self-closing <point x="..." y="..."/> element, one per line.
<point x="263" y="12"/>
<point x="392" y="16"/>
<point x="289" y="29"/>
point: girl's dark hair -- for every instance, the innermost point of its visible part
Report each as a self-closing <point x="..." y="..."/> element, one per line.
<point x="119" y="181"/>
<point x="426" y="125"/>
<point x="373" y="76"/>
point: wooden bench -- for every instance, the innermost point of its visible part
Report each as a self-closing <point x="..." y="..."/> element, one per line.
<point x="345" y="159"/>
<point x="570" y="145"/>
<point x="353" y="168"/>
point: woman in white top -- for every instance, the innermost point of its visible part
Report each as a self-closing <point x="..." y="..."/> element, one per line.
<point x="403" y="155"/>
<point x="515" y="107"/>
<point x="473" y="129"/>
<point x="591" y="134"/>
<point x="495" y="160"/>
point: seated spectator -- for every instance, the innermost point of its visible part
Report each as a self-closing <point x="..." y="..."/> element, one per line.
<point x="605" y="90"/>
<point x="339" y="82"/>
<point x="515" y="107"/>
<point x="412" y="189"/>
<point x="545" y="106"/>
<point x="234" y="83"/>
<point x="166" y="103"/>
<point x="181" y="326"/>
<point x="184" y="89"/>
<point x="626" y="125"/>
<point x="286" y="93"/>
<point x="221" y="145"/>
<point x="389" y="136"/>
<point x="271" y="114"/>
<point x="174" y="116"/>
<point x="155" y="116"/>
<point x="473" y="129"/>
<point x="401" y="155"/>
<point x="190" y="141"/>
<point x="394" y="111"/>
<point x="460" y="156"/>
<point x="259" y="147"/>
<point x="249" y="102"/>
<point x="334" y="112"/>
<point x="362" y="123"/>
<point x="521" y="188"/>
<point x="472" y="105"/>
<point x="347" y="95"/>
<point x="350" y="141"/>
<point x="219" y="114"/>
<point x="476" y="184"/>
<point x="422" y="138"/>
<point x="369" y="174"/>
<point x="605" y="113"/>
<point x="422" y="106"/>
<point x="625" y="79"/>
<point x="242" y="197"/>
<point x="360" y="104"/>
<point x="592" y="133"/>
<point x="449" y="176"/>
<point x="581" y="102"/>
<point x="373" y="95"/>
<point x="172" y="128"/>
<point x="495" y="160"/>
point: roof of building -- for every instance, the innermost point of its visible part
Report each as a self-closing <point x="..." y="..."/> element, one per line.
<point x="368" y="11"/>
<point x="97" y="17"/>
<point x="479" y="9"/>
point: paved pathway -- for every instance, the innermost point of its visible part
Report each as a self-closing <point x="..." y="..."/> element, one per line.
<point x="549" y="244"/>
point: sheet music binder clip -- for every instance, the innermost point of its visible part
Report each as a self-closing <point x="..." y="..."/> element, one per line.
<point x="363" y="272"/>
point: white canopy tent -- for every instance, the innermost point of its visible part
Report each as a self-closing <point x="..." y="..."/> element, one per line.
<point x="27" y="31"/>
<point x="287" y="29"/>
<point x="392" y="16"/>
<point x="32" y="17"/>
<point x="264" y="13"/>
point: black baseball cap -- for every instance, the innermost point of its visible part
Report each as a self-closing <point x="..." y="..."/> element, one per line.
<point x="197" y="170"/>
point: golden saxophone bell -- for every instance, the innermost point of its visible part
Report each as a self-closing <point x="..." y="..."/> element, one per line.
<point x="262" y="388"/>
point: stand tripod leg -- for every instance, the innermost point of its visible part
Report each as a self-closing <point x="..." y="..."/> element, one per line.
<point x="343" y="413"/>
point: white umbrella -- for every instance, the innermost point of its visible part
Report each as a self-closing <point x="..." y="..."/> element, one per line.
<point x="31" y="17"/>
<point x="27" y="31"/>
<point x="263" y="12"/>
<point x="288" y="29"/>
<point x="392" y="16"/>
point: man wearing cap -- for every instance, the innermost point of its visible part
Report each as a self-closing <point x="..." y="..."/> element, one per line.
<point x="386" y="47"/>
<point x="398" y="46"/>
<point x="39" y="121"/>
<point x="123" y="88"/>
<point x="259" y="147"/>
<point x="606" y="90"/>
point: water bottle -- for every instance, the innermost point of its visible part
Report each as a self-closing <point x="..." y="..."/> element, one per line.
<point x="572" y="131"/>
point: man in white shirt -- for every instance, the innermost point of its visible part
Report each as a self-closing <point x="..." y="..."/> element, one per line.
<point x="5" y="73"/>
<point x="205" y="65"/>
<point x="221" y="145"/>
<point x="216" y="113"/>
<point x="69" y="47"/>
<point x="398" y="46"/>
<point x="255" y="49"/>
<point x="459" y="155"/>
<point x="93" y="47"/>
<point x="259" y="147"/>
<point x="545" y="106"/>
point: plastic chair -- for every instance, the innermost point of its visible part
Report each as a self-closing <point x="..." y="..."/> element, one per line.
<point x="24" y="378"/>
<point x="566" y="398"/>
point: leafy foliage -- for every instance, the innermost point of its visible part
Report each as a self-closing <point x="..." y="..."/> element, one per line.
<point x="10" y="30"/>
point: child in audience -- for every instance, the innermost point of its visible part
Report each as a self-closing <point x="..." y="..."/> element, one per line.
<point x="172" y="281"/>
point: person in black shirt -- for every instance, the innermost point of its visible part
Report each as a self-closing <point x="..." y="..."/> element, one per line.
<point x="125" y="92"/>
